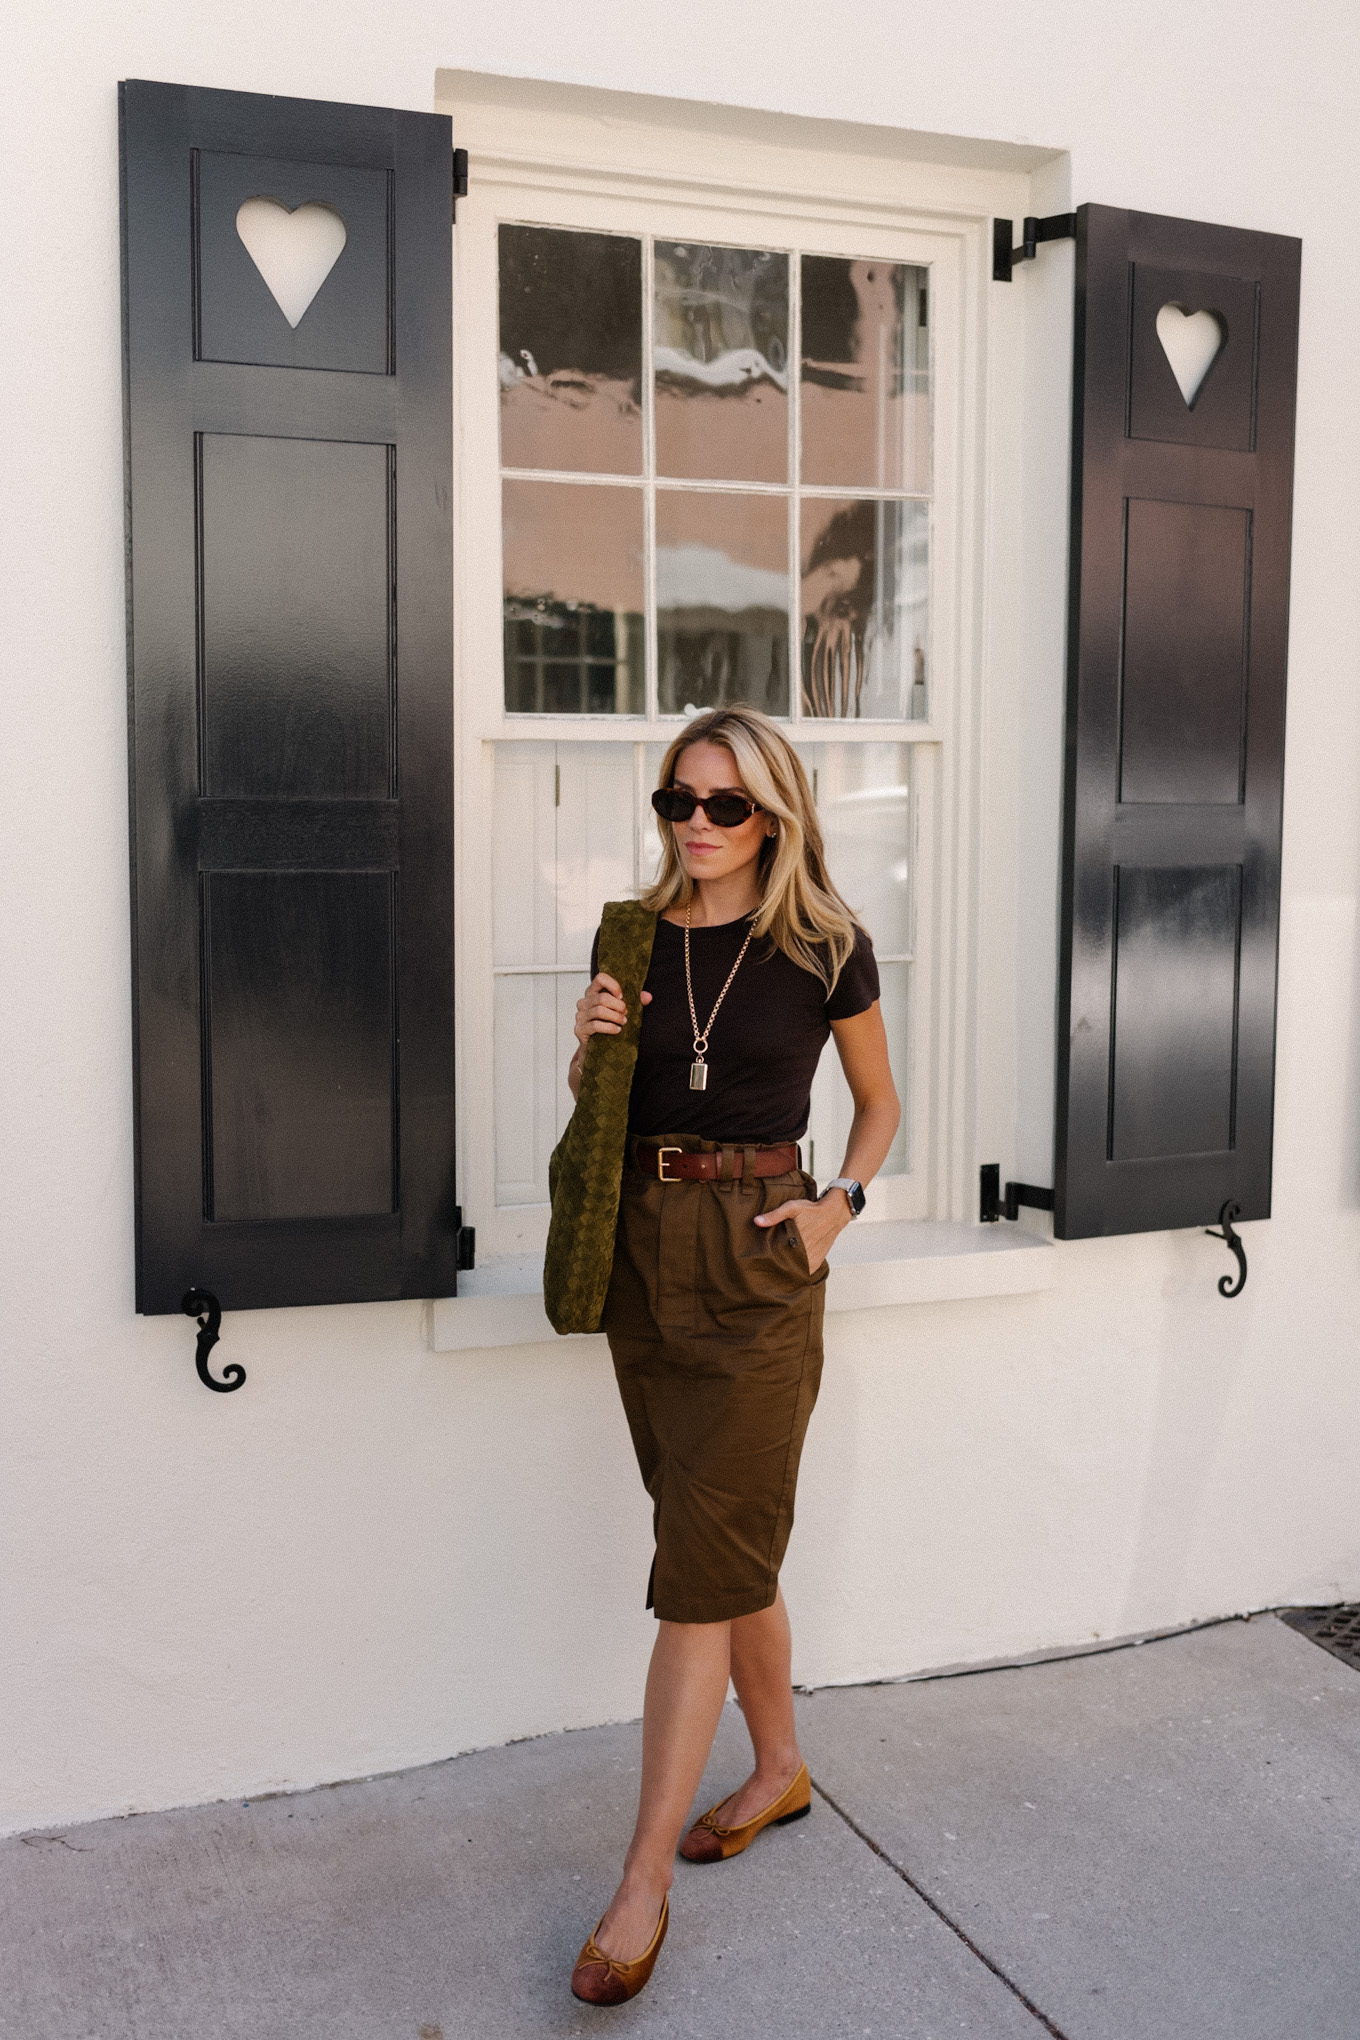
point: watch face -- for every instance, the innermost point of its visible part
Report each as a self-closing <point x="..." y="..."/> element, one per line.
<point x="855" y="1192"/>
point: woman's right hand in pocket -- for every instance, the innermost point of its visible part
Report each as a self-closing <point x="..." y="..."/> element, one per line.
<point x="602" y="1009"/>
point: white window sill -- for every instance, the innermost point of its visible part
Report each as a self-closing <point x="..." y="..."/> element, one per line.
<point x="875" y="1263"/>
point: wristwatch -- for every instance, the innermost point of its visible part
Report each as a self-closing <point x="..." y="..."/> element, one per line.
<point x="854" y="1192"/>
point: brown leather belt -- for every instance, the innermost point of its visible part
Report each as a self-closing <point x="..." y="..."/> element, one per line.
<point x="682" y="1165"/>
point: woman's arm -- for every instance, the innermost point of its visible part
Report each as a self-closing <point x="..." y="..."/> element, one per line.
<point x="601" y="1010"/>
<point x="862" y="1046"/>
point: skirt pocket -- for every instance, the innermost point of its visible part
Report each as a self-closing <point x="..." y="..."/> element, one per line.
<point x="781" y="1246"/>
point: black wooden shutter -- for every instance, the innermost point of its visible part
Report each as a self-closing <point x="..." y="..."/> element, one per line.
<point x="1177" y="633"/>
<point x="291" y="705"/>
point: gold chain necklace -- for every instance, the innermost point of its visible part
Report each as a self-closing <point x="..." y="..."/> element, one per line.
<point x="698" y="1069"/>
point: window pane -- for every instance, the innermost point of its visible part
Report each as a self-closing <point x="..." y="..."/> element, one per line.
<point x="525" y="1021"/>
<point x="534" y="1041"/>
<point x="571" y="350"/>
<point x="896" y="981"/>
<point x="722" y="600"/>
<point x="595" y="841"/>
<point x="573" y="599"/>
<point x="564" y="841"/>
<point x="721" y="342"/>
<point x="865" y="374"/>
<point x="649" y="831"/>
<point x="863" y="796"/>
<point x="562" y="844"/>
<point x="524" y="855"/>
<point x="864" y="603"/>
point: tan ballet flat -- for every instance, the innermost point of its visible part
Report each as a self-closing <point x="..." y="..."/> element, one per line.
<point x="706" y="1842"/>
<point x="600" y="1979"/>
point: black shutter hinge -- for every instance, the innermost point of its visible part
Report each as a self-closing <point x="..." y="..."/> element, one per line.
<point x="992" y="1206"/>
<point x="1057" y="227"/>
<point x="467" y="1241"/>
<point x="460" y="170"/>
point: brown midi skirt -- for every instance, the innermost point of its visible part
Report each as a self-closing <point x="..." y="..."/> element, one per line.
<point x="715" y="1325"/>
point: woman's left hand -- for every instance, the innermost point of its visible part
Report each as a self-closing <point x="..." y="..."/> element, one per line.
<point x="819" y="1224"/>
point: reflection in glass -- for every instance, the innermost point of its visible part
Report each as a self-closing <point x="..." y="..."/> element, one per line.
<point x="721" y="600"/>
<point x="570" y="350"/>
<point x="721" y="341"/>
<point x="864" y="603"/>
<point x="863" y="798"/>
<point x="865" y="374"/>
<point x="573" y="603"/>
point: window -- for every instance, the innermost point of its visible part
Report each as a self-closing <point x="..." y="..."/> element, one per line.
<point x="707" y="451"/>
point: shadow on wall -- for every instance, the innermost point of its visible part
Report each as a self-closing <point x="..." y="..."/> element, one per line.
<point x="1196" y="1385"/>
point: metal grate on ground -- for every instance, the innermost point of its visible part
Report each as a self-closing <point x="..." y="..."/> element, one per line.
<point x="1337" y="1629"/>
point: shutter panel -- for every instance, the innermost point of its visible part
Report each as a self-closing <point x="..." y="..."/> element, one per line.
<point x="290" y="567"/>
<point x="1178" y="614"/>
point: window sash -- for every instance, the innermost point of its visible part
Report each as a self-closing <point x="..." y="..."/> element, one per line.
<point x="653" y="485"/>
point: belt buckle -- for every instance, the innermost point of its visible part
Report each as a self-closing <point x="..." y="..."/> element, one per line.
<point x="661" y="1155"/>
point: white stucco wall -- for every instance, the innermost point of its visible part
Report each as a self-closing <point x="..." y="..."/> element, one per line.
<point x="377" y="1555"/>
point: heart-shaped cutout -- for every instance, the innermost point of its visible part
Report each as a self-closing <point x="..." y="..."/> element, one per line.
<point x="294" y="251"/>
<point x="1192" y="343"/>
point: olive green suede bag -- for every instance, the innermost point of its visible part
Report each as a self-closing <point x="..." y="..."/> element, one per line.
<point x="586" y="1169"/>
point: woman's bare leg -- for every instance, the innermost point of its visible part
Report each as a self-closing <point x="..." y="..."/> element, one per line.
<point x="762" y="1672"/>
<point x="686" y="1688"/>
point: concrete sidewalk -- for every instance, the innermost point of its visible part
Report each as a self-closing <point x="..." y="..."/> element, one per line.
<point x="1159" y="1843"/>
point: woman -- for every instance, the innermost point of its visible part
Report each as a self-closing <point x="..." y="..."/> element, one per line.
<point x="714" y="1311"/>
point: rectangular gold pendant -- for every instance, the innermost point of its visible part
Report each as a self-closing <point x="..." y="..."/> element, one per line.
<point x="698" y="1076"/>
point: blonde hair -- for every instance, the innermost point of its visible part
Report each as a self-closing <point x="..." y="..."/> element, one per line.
<point x="800" y="910"/>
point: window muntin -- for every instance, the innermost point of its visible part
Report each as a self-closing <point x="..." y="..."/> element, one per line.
<point x="836" y="563"/>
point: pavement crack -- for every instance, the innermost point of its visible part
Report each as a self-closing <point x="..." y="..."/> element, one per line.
<point x="969" y="1943"/>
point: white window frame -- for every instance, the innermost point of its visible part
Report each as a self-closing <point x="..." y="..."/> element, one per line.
<point x="571" y="157"/>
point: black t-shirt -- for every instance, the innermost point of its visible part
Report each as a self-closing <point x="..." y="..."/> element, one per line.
<point x="765" y="1044"/>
